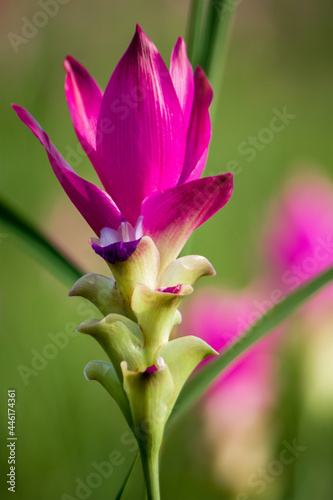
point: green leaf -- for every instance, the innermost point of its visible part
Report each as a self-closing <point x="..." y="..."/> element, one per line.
<point x="196" y="386"/>
<point x="207" y="34"/>
<point x="194" y="30"/>
<point x="43" y="250"/>
<point x="122" y="492"/>
<point x="207" y="40"/>
<point x="214" y="33"/>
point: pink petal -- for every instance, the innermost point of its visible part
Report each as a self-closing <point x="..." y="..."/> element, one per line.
<point x="84" y="98"/>
<point x="182" y="78"/>
<point x="144" y="147"/>
<point x="95" y="205"/>
<point x="199" y="132"/>
<point x="172" y="215"/>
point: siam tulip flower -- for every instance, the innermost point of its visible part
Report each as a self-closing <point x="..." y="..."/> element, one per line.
<point x="147" y="137"/>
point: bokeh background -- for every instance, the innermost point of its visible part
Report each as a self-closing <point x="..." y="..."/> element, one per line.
<point x="278" y="58"/>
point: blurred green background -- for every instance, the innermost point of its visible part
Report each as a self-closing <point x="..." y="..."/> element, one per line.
<point x="278" y="57"/>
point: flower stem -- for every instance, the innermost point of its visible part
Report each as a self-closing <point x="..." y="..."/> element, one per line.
<point x="150" y="465"/>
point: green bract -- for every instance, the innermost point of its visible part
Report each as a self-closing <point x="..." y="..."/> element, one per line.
<point x="147" y="368"/>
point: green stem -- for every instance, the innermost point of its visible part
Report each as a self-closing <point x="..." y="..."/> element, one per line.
<point x="150" y="465"/>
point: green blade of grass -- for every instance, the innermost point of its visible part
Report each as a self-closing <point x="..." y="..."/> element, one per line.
<point x="215" y="45"/>
<point x="122" y="492"/>
<point x="214" y="35"/>
<point x="193" y="36"/>
<point x="42" y="249"/>
<point x="197" y="385"/>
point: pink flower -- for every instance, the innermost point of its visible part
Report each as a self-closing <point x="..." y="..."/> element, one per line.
<point x="298" y="244"/>
<point x="236" y="408"/>
<point x="221" y="318"/>
<point x="298" y="238"/>
<point x="147" y="137"/>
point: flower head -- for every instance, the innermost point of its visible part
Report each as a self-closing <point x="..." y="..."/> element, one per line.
<point x="147" y="138"/>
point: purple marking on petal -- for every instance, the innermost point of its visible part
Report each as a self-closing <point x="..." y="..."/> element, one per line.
<point x="151" y="369"/>
<point x="116" y="252"/>
<point x="171" y="289"/>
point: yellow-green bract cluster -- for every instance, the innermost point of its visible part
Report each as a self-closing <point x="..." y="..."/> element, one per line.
<point x="140" y="306"/>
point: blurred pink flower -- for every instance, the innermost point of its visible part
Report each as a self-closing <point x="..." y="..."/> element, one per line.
<point x="221" y="318"/>
<point x="297" y="244"/>
<point x="147" y="137"/>
<point x="237" y="405"/>
<point x="298" y="236"/>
